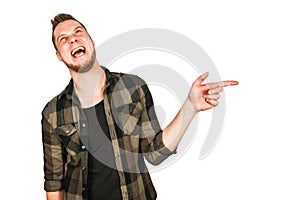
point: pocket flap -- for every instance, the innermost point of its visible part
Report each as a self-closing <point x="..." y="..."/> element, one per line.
<point x="66" y="130"/>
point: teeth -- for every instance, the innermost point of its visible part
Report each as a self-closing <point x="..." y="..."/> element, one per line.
<point x="77" y="49"/>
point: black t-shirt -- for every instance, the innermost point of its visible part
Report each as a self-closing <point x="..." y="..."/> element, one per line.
<point x="103" y="180"/>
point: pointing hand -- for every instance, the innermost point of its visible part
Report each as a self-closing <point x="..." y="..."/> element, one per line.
<point x="205" y="96"/>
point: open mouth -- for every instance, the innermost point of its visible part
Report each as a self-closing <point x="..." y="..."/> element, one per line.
<point x="77" y="52"/>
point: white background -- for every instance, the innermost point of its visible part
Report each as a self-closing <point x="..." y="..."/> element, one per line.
<point x="255" y="42"/>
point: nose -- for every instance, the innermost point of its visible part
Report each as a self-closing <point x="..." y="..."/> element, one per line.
<point x="73" y="39"/>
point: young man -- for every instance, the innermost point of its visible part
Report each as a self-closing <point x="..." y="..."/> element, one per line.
<point x="97" y="132"/>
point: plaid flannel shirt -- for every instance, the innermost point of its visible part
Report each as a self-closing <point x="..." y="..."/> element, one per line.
<point x="133" y="127"/>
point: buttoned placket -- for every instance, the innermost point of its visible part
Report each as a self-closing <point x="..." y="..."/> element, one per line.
<point x="82" y="128"/>
<point x="83" y="134"/>
<point x="115" y="145"/>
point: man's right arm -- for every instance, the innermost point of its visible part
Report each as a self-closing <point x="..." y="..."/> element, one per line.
<point x="58" y="195"/>
<point x="53" y="159"/>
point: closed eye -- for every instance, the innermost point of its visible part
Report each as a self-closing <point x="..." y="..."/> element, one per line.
<point x="78" y="31"/>
<point x="62" y="39"/>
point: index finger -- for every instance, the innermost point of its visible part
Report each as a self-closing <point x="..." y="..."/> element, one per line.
<point x="230" y="83"/>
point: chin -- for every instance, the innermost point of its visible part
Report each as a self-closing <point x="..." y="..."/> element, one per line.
<point x="81" y="68"/>
<point x="85" y="66"/>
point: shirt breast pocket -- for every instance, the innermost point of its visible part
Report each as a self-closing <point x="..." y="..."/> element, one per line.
<point x="129" y="118"/>
<point x="70" y="138"/>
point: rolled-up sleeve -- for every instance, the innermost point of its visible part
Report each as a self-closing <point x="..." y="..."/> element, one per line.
<point x="152" y="144"/>
<point x="53" y="155"/>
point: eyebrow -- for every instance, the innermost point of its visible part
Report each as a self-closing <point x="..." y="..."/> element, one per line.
<point x="77" y="27"/>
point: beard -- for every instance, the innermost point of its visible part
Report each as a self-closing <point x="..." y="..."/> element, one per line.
<point x="85" y="67"/>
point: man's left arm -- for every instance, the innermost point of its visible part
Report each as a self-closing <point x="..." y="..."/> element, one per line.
<point x="201" y="97"/>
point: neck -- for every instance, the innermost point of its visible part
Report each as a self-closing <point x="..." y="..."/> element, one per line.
<point x="89" y="86"/>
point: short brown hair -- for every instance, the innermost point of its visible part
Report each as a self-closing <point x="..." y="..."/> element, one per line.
<point x="61" y="18"/>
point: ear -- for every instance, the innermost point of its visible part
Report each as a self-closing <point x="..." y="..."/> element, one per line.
<point x="58" y="56"/>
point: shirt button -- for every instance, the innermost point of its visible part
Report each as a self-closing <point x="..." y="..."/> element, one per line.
<point x="83" y="189"/>
<point x="83" y="125"/>
<point x="83" y="168"/>
<point x="83" y="147"/>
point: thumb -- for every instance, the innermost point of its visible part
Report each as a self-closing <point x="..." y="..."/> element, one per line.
<point x="200" y="79"/>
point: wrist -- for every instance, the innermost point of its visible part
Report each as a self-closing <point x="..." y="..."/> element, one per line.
<point x="189" y="107"/>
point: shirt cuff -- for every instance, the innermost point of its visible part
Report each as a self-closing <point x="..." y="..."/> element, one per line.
<point x="161" y="146"/>
<point x="52" y="186"/>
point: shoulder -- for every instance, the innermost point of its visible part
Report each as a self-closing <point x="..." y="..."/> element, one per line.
<point x="57" y="102"/>
<point x="50" y="107"/>
<point x="124" y="84"/>
<point x="120" y="81"/>
<point x="123" y="78"/>
<point x="128" y="78"/>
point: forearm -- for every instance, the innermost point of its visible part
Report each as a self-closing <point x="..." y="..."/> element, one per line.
<point x="174" y="132"/>
<point x="58" y="195"/>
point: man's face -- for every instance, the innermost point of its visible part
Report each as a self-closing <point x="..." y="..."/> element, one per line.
<point x="74" y="46"/>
